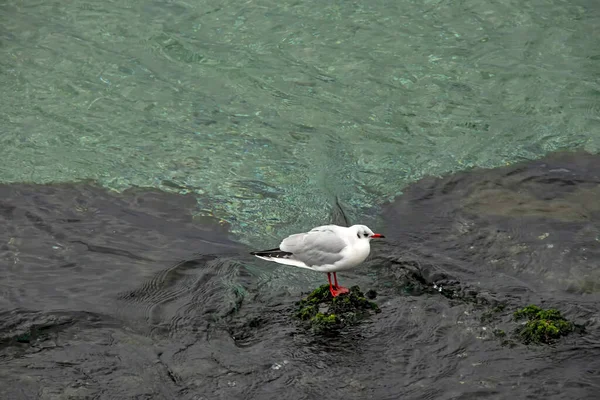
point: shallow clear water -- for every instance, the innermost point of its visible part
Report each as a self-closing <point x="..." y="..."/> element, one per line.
<point x="269" y="109"/>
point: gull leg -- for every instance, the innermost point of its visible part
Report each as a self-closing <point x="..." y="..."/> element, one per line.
<point x="338" y="289"/>
<point x="331" y="290"/>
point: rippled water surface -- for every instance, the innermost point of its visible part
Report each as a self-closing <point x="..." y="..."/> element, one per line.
<point x="270" y="108"/>
<point x="148" y="146"/>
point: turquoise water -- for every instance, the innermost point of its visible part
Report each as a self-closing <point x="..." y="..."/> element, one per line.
<point x="267" y="110"/>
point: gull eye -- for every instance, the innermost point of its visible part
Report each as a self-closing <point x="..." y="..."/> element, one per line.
<point x="365" y="234"/>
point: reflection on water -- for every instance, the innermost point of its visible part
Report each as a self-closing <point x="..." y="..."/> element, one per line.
<point x="268" y="109"/>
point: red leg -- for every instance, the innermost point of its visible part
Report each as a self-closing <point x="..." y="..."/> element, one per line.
<point x="338" y="289"/>
<point x="331" y="290"/>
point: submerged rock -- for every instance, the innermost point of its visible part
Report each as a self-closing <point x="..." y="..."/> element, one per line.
<point x="535" y="222"/>
<point x="326" y="314"/>
<point x="541" y="326"/>
<point x="452" y="272"/>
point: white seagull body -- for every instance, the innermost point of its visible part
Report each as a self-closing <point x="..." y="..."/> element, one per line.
<point x="327" y="248"/>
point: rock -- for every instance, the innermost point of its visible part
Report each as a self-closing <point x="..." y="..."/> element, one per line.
<point x="543" y="326"/>
<point x="325" y="314"/>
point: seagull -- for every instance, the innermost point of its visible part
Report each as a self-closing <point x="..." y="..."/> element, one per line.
<point x="327" y="248"/>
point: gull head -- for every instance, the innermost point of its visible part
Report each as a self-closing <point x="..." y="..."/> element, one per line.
<point x="363" y="232"/>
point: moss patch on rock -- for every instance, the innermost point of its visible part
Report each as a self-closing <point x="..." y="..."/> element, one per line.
<point x="325" y="314"/>
<point x="542" y="326"/>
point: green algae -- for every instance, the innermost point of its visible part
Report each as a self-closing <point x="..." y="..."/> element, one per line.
<point x="325" y="314"/>
<point x="542" y="326"/>
<point x="326" y="323"/>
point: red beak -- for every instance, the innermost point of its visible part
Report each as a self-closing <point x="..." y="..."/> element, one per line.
<point x="377" y="235"/>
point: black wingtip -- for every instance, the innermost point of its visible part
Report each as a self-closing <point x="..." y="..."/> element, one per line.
<point x="276" y="253"/>
<point x="264" y="252"/>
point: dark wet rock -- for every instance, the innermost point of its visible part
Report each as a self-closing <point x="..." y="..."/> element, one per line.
<point x="106" y="295"/>
<point x="93" y="281"/>
<point x="536" y="222"/>
<point x="500" y="238"/>
<point x="325" y="314"/>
